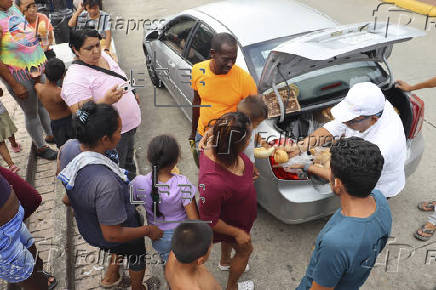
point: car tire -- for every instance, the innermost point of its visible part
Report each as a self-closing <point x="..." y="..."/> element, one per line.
<point x="152" y="72"/>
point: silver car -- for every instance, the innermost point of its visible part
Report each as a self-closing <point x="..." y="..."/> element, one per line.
<point x="282" y="43"/>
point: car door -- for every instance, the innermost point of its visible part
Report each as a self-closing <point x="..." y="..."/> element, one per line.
<point x="169" y="51"/>
<point x="198" y="50"/>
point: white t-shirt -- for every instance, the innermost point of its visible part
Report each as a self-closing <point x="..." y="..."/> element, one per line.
<point x="388" y="134"/>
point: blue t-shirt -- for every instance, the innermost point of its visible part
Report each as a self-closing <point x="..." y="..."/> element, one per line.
<point x="347" y="248"/>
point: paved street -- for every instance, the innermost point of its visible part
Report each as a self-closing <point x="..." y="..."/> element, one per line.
<point x="282" y="251"/>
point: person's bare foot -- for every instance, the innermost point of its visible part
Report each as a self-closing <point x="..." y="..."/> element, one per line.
<point x="112" y="276"/>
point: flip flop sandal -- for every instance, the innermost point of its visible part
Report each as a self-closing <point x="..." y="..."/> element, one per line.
<point x="53" y="283"/>
<point x="426" y="231"/>
<point x="16" y="149"/>
<point x="427" y="205"/>
<point x="227" y="268"/>
<point x="152" y="283"/>
<point x="246" y="285"/>
<point x="116" y="283"/>
<point x="14" y="169"/>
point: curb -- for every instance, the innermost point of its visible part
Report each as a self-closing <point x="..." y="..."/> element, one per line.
<point x="62" y="264"/>
<point x="415" y="6"/>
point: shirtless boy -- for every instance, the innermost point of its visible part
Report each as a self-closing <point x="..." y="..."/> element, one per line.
<point x="191" y="245"/>
<point x="50" y="96"/>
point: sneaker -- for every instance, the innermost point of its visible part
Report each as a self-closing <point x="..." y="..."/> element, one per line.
<point x="246" y="285"/>
<point x="47" y="153"/>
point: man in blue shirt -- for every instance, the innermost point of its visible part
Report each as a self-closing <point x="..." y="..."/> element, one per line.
<point x="347" y="247"/>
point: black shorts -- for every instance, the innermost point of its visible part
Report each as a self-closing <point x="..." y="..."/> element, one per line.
<point x="134" y="251"/>
<point x="62" y="130"/>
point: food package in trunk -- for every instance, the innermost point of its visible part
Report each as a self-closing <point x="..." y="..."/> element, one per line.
<point x="323" y="116"/>
<point x="321" y="156"/>
<point x="291" y="100"/>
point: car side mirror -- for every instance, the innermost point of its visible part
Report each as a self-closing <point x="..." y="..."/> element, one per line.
<point x="153" y="35"/>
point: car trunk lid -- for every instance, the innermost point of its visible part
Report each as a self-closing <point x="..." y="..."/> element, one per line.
<point x="332" y="46"/>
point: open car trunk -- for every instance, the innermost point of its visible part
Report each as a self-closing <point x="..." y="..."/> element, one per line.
<point x="301" y="124"/>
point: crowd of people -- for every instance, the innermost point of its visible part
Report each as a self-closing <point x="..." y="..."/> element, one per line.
<point x="92" y="119"/>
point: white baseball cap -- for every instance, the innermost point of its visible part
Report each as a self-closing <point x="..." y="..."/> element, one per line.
<point x="363" y="99"/>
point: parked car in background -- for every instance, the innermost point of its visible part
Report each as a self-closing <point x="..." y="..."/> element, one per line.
<point x="282" y="43"/>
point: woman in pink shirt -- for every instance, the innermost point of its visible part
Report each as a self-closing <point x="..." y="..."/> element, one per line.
<point x="227" y="195"/>
<point x="95" y="75"/>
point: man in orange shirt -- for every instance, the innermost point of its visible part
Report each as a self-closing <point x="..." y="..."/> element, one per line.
<point x="218" y="84"/>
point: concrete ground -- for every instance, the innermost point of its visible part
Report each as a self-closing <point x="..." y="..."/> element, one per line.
<point x="282" y="251"/>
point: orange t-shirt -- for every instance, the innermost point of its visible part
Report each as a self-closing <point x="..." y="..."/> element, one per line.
<point x="221" y="92"/>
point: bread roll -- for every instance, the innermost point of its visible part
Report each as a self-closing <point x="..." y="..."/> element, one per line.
<point x="263" y="152"/>
<point x="281" y="156"/>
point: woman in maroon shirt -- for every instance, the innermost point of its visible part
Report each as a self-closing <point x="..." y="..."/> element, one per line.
<point x="228" y="197"/>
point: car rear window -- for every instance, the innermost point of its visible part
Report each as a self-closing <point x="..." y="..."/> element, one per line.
<point x="335" y="80"/>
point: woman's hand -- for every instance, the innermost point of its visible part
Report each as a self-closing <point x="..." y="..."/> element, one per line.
<point x="242" y="238"/>
<point x="113" y="95"/>
<point x="255" y="173"/>
<point x="81" y="8"/>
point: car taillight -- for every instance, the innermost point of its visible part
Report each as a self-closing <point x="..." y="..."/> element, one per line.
<point x="280" y="172"/>
<point x="418" y="115"/>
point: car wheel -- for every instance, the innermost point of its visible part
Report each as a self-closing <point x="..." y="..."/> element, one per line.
<point x="152" y="72"/>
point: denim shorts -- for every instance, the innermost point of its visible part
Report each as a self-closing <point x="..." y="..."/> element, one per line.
<point x="16" y="261"/>
<point x="163" y="246"/>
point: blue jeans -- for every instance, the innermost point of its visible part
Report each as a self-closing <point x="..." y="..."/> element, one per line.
<point x="163" y="246"/>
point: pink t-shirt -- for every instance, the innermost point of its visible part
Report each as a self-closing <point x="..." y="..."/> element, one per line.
<point x="82" y="83"/>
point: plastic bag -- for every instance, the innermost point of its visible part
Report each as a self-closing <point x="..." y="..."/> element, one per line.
<point x="304" y="159"/>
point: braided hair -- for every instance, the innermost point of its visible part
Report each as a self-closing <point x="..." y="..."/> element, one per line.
<point x="163" y="152"/>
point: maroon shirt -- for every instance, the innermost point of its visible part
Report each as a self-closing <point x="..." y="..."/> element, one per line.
<point x="29" y="198"/>
<point x="227" y="196"/>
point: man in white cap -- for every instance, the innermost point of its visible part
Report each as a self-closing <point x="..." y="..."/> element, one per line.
<point x="365" y="113"/>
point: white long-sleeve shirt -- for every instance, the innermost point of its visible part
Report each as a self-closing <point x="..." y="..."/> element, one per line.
<point x="388" y="134"/>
